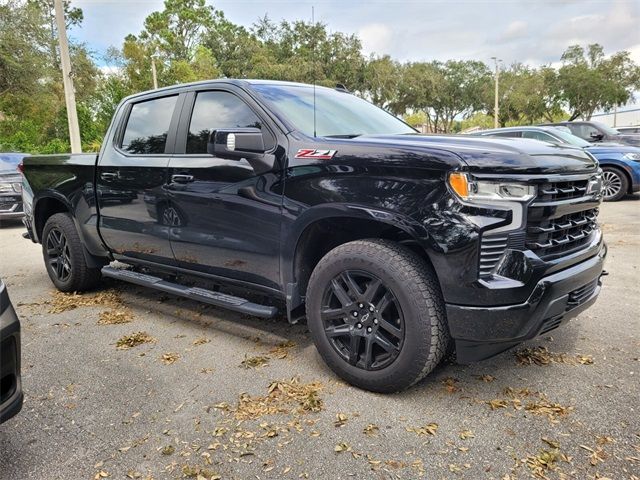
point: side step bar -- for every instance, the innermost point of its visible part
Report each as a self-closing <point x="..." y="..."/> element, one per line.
<point x="230" y="302"/>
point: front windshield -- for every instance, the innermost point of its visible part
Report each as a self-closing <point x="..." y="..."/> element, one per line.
<point x="570" y="138"/>
<point x="607" y="129"/>
<point x="338" y="114"/>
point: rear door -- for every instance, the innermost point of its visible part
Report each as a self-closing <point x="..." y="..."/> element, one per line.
<point x="227" y="215"/>
<point x="131" y="180"/>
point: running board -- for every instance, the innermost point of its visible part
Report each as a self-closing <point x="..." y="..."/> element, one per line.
<point x="230" y="302"/>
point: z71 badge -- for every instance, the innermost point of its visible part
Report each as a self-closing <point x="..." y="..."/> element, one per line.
<point x="314" y="154"/>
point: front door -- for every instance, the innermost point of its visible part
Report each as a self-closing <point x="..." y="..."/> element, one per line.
<point x="227" y="216"/>
<point x="131" y="182"/>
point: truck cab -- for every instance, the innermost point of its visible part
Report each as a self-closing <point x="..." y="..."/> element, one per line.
<point x="395" y="247"/>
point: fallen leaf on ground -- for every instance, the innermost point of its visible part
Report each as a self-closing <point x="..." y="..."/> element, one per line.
<point x="542" y="356"/>
<point x="254" y="362"/>
<point x="285" y="396"/>
<point x="281" y="350"/>
<point x="133" y="340"/>
<point x="168" y="450"/>
<point x="450" y="384"/>
<point x="169" y="358"/>
<point x="371" y="429"/>
<point x="429" y="429"/>
<point x="342" y="447"/>
<point x="341" y="420"/>
<point x="543" y="462"/>
<point x="115" y="317"/>
<point x="62" y="302"/>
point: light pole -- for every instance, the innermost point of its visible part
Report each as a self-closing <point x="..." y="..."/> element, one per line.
<point x="496" y="106"/>
<point x="69" y="93"/>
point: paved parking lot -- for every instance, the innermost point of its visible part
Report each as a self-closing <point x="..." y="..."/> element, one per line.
<point x="214" y="394"/>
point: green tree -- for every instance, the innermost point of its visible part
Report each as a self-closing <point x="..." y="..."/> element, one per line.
<point x="381" y="80"/>
<point x="589" y="80"/>
<point x="443" y="90"/>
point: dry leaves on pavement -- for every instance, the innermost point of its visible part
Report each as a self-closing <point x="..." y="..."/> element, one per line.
<point x="254" y="362"/>
<point x="169" y="358"/>
<point x="542" y="356"/>
<point x="115" y="317"/>
<point x="429" y="429"/>
<point x="285" y="396"/>
<point x="133" y="340"/>
<point x="61" y="302"/>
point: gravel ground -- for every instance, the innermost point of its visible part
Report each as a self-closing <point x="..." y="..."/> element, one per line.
<point x="185" y="405"/>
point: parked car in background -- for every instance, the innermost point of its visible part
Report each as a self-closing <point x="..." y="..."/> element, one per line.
<point x="10" y="186"/>
<point x="628" y="130"/>
<point x="620" y="163"/>
<point x="10" y="382"/>
<point x="598" y="132"/>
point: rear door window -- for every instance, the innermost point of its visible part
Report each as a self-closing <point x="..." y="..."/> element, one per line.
<point x="148" y="126"/>
<point x="507" y="134"/>
<point x="538" y="136"/>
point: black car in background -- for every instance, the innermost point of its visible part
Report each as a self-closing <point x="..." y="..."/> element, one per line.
<point x="10" y="382"/>
<point x="10" y="186"/>
<point x="598" y="132"/>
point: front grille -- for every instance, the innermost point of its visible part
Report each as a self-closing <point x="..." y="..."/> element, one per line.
<point x="562" y="219"/>
<point x="563" y="190"/>
<point x="579" y="295"/>
<point x="564" y="234"/>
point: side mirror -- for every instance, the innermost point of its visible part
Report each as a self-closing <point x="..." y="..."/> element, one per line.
<point x="596" y="136"/>
<point x="236" y="143"/>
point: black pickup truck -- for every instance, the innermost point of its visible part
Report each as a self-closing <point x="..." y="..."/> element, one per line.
<point x="395" y="246"/>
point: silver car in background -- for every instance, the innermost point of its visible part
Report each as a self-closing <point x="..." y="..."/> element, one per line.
<point x="10" y="186"/>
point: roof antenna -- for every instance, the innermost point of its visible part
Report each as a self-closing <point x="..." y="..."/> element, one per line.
<point x="313" y="23"/>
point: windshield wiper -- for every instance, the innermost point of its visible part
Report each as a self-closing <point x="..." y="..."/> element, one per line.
<point x="351" y="135"/>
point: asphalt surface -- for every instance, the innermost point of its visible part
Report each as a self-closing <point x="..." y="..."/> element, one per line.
<point x="95" y="411"/>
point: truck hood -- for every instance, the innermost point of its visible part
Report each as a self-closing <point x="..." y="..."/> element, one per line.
<point x="497" y="155"/>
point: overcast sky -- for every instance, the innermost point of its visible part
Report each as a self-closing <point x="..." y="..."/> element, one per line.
<point x="530" y="31"/>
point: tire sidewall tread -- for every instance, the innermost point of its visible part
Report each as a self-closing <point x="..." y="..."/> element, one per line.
<point x="82" y="277"/>
<point x="416" y="287"/>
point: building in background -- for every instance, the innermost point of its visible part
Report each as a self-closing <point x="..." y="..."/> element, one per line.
<point x="627" y="116"/>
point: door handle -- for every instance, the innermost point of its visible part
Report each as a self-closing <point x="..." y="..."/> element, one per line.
<point x="180" y="178"/>
<point x="106" y="176"/>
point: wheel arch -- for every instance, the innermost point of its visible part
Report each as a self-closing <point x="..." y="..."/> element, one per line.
<point x="321" y="229"/>
<point x="621" y="167"/>
<point x="46" y="206"/>
<point x="50" y="204"/>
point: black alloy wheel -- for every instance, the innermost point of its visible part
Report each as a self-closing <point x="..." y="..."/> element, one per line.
<point x="376" y="314"/>
<point x="363" y="320"/>
<point x="65" y="256"/>
<point x="58" y="254"/>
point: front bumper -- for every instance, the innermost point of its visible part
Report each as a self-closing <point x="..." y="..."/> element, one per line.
<point x="483" y="331"/>
<point x="11" y="206"/>
<point x="10" y="382"/>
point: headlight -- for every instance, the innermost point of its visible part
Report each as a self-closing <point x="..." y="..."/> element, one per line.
<point x="483" y="191"/>
<point x="632" y="156"/>
<point x="6" y="187"/>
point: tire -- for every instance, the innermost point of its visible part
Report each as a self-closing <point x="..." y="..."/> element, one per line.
<point x="408" y="333"/>
<point x="64" y="258"/>
<point x="615" y="184"/>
